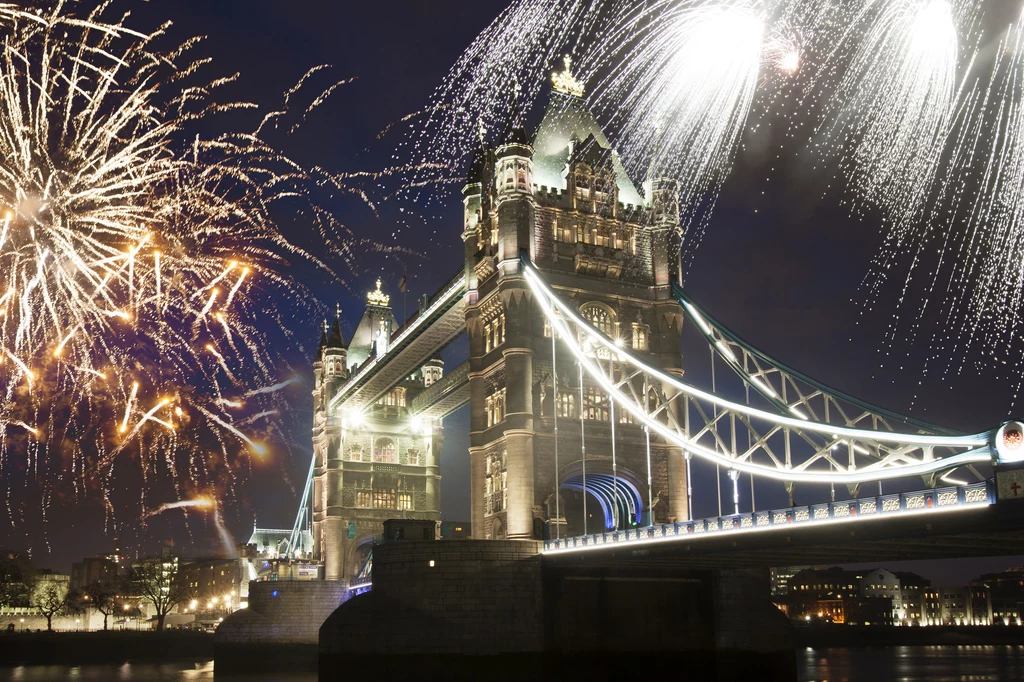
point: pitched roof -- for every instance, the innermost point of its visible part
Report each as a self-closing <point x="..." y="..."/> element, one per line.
<point x="565" y="119"/>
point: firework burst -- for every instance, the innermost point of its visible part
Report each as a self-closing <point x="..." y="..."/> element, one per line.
<point x="133" y="249"/>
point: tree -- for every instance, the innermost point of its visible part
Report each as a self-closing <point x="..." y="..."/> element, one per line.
<point x="102" y="596"/>
<point x="162" y="584"/>
<point x="50" y="596"/>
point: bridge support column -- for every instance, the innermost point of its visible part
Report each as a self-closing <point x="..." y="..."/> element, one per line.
<point x="334" y="552"/>
<point x="477" y="483"/>
<point x="519" y="444"/>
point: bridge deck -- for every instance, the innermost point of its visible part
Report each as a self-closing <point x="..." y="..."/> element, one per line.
<point x="422" y="337"/>
<point x="445" y="396"/>
<point x="941" y="523"/>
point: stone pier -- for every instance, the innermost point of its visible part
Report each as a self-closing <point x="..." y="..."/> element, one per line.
<point x="495" y="610"/>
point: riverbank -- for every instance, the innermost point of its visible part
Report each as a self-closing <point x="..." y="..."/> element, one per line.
<point x="26" y="648"/>
<point x="833" y="636"/>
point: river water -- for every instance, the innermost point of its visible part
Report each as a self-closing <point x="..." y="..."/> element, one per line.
<point x="878" y="664"/>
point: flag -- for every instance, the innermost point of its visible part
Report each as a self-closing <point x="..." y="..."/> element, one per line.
<point x="402" y="283"/>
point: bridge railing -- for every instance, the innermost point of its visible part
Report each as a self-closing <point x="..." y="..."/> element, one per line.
<point x="916" y="502"/>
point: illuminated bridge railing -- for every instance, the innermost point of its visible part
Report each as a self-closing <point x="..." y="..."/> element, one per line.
<point x="918" y="502"/>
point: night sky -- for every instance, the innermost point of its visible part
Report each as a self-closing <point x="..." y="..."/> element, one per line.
<point x="781" y="263"/>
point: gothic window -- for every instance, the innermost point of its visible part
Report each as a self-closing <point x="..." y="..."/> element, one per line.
<point x="599" y="317"/>
<point x="595" y="406"/>
<point x="521" y="178"/>
<point x="355" y="452"/>
<point x="640" y="332"/>
<point x="385" y="452"/>
<point x="384" y="499"/>
<point x="495" y="406"/>
<point x="547" y="328"/>
<point x="617" y="242"/>
<point x="363" y="498"/>
<point x="496" y="484"/>
<point x="405" y="501"/>
<point x="601" y="237"/>
<point x="567" y="405"/>
<point x="414" y="457"/>
<point x="564" y="232"/>
<point x="583" y="187"/>
<point x="494" y="332"/>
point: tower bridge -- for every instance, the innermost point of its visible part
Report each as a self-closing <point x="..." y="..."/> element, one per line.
<point x="585" y="436"/>
<point x="584" y="431"/>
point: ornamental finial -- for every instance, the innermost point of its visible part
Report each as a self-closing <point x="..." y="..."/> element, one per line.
<point x="565" y="82"/>
<point x="378" y="297"/>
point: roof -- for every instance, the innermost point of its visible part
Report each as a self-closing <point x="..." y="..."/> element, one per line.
<point x="567" y="117"/>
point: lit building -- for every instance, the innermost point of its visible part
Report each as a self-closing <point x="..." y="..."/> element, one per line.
<point x="217" y="586"/>
<point x="563" y="197"/>
<point x="374" y="465"/>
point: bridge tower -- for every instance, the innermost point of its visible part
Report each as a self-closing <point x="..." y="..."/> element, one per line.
<point x="374" y="464"/>
<point x="564" y="198"/>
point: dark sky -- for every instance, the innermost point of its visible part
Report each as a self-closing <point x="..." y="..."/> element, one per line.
<point x="779" y="263"/>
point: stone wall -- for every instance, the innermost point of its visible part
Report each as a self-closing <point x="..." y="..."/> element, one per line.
<point x="282" y="613"/>
<point x="457" y="596"/>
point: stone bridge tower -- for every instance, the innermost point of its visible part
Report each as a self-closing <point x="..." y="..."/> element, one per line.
<point x="565" y="198"/>
<point x="371" y="465"/>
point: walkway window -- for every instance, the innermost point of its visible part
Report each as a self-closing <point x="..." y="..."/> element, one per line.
<point x="393" y="398"/>
<point x="384" y="451"/>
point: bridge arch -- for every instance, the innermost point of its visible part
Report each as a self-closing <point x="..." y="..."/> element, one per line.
<point x="612" y="499"/>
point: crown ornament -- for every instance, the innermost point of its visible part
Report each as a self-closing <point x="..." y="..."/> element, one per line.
<point x="378" y="297"/>
<point x="565" y="82"/>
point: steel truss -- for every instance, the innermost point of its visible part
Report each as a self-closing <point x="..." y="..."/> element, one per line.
<point x="814" y="435"/>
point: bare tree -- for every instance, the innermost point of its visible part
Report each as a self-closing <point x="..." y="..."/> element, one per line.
<point x="102" y="596"/>
<point x="162" y="584"/>
<point x="50" y="596"/>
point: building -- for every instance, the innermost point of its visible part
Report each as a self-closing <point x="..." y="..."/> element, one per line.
<point x="1004" y="596"/>
<point x="947" y="606"/>
<point x="880" y="583"/>
<point x="912" y="590"/>
<point x="373" y="465"/>
<point x="216" y="586"/>
<point x="815" y="594"/>
<point x="93" y="570"/>
<point x="780" y="578"/>
<point x="563" y="197"/>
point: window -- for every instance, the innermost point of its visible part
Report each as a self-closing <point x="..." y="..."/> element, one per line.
<point x="495" y="407"/>
<point x="496" y="484"/>
<point x="414" y="457"/>
<point x="405" y="501"/>
<point x="563" y="231"/>
<point x="494" y="332"/>
<point x="363" y="498"/>
<point x="639" y="336"/>
<point x="547" y="328"/>
<point x="600" y="318"/>
<point x="384" y="499"/>
<point x="394" y="398"/>
<point x="384" y="451"/>
<point x="566" y="405"/>
<point x="595" y="406"/>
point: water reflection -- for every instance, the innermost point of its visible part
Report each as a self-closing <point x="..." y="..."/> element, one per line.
<point x="962" y="663"/>
<point x="177" y="671"/>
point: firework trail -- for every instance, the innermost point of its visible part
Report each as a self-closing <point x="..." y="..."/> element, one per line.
<point x="130" y="242"/>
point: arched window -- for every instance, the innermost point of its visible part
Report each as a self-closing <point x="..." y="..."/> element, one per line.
<point x="384" y="451"/>
<point x="600" y="317"/>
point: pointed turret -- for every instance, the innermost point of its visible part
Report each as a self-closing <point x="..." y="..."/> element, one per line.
<point x="336" y="340"/>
